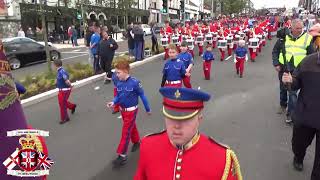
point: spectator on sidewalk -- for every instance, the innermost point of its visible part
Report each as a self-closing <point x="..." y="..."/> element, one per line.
<point x="306" y="121"/>
<point x="88" y="36"/>
<point x="155" y="46"/>
<point x="138" y="42"/>
<point x="106" y="51"/>
<point x="130" y="36"/>
<point x="21" y="33"/>
<point x="39" y="34"/>
<point x="30" y="33"/>
<point x="94" y="43"/>
<point x="61" y="34"/>
<point x="70" y="35"/>
<point x="74" y="36"/>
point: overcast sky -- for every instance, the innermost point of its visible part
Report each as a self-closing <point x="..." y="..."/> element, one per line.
<point x="274" y="3"/>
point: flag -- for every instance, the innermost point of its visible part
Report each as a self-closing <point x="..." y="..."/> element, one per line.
<point x="44" y="161"/>
<point x="11" y="161"/>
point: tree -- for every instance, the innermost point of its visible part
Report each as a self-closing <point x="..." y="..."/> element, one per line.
<point x="45" y="35"/>
<point x="125" y="5"/>
<point x="233" y="6"/>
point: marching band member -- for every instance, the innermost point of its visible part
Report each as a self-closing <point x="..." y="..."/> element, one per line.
<point x="257" y="31"/>
<point x="174" y="70"/>
<point x="196" y="31"/>
<point x="222" y="35"/>
<point x="213" y="28"/>
<point x="235" y="30"/>
<point x="241" y="56"/>
<point x="207" y="57"/>
<point x="189" y="33"/>
<point x="129" y="89"/>
<point x="187" y="59"/>
<point x="166" y="31"/>
<point x="177" y="32"/>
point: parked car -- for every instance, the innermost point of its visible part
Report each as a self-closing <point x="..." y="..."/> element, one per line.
<point x="158" y="27"/>
<point x="146" y="29"/>
<point x="21" y="51"/>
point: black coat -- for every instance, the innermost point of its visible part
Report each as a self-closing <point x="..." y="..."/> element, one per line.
<point x="104" y="49"/>
<point x="307" y="78"/>
<point x="130" y="39"/>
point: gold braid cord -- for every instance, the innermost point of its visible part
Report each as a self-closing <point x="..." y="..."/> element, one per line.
<point x="227" y="166"/>
<point x="231" y="160"/>
<point x="236" y="165"/>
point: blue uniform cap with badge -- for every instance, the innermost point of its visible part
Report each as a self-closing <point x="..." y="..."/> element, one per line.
<point x="182" y="103"/>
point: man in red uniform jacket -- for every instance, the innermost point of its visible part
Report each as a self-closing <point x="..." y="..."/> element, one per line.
<point x="180" y="150"/>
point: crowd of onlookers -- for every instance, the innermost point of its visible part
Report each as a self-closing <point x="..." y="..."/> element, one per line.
<point x="102" y="46"/>
<point x="70" y="34"/>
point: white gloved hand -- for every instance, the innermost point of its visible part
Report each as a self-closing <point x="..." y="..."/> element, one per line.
<point x="235" y="60"/>
<point x="247" y="58"/>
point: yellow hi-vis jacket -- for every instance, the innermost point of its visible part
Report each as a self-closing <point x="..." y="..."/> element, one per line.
<point x="297" y="49"/>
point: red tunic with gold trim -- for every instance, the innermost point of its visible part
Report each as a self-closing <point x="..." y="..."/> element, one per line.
<point x="258" y="30"/>
<point x="201" y="159"/>
<point x="213" y="28"/>
<point x="204" y="29"/>
<point x="168" y="30"/>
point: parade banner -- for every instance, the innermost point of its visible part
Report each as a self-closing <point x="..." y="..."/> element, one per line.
<point x="3" y="8"/>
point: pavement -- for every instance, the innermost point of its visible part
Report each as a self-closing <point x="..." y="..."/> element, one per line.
<point x="117" y="38"/>
<point x="69" y="56"/>
<point x="242" y="114"/>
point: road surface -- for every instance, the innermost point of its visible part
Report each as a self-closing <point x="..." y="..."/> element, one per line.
<point x="242" y="114"/>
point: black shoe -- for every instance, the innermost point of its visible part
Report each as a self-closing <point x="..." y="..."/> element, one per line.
<point x="115" y="112"/>
<point x="64" y="121"/>
<point x="119" y="161"/>
<point x="297" y="165"/>
<point x="107" y="81"/>
<point x="237" y="72"/>
<point x="288" y="119"/>
<point x="135" y="147"/>
<point x="74" y="109"/>
<point x="241" y="76"/>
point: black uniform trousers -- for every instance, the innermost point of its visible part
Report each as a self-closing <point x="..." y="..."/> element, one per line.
<point x="301" y="139"/>
<point x="106" y="63"/>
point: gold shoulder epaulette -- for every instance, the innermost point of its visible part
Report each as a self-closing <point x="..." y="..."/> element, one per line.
<point x="157" y="133"/>
<point x="218" y="143"/>
<point x="232" y="166"/>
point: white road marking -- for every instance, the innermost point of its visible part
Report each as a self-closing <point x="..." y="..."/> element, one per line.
<point x="119" y="117"/>
<point x="73" y="57"/>
<point x="97" y="88"/>
<point x="70" y="52"/>
<point x="76" y="50"/>
<point x="228" y="58"/>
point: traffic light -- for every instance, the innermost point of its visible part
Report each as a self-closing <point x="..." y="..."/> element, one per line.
<point x="164" y="6"/>
<point x="182" y="5"/>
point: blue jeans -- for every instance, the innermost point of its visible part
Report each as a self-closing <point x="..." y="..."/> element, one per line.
<point x="138" y="46"/>
<point x="96" y="64"/>
<point x="287" y="98"/>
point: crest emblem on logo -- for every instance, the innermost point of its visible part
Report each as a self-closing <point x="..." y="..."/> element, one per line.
<point x="30" y="160"/>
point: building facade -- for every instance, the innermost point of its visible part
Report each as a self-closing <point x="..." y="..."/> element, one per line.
<point x="26" y="13"/>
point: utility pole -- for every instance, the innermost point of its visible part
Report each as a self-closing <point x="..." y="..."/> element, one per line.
<point x="45" y="34"/>
<point x="212" y="11"/>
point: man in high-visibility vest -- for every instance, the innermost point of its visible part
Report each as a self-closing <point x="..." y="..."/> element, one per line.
<point x="297" y="46"/>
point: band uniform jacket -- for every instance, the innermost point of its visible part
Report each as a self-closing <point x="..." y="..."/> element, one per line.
<point x="201" y="159"/>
